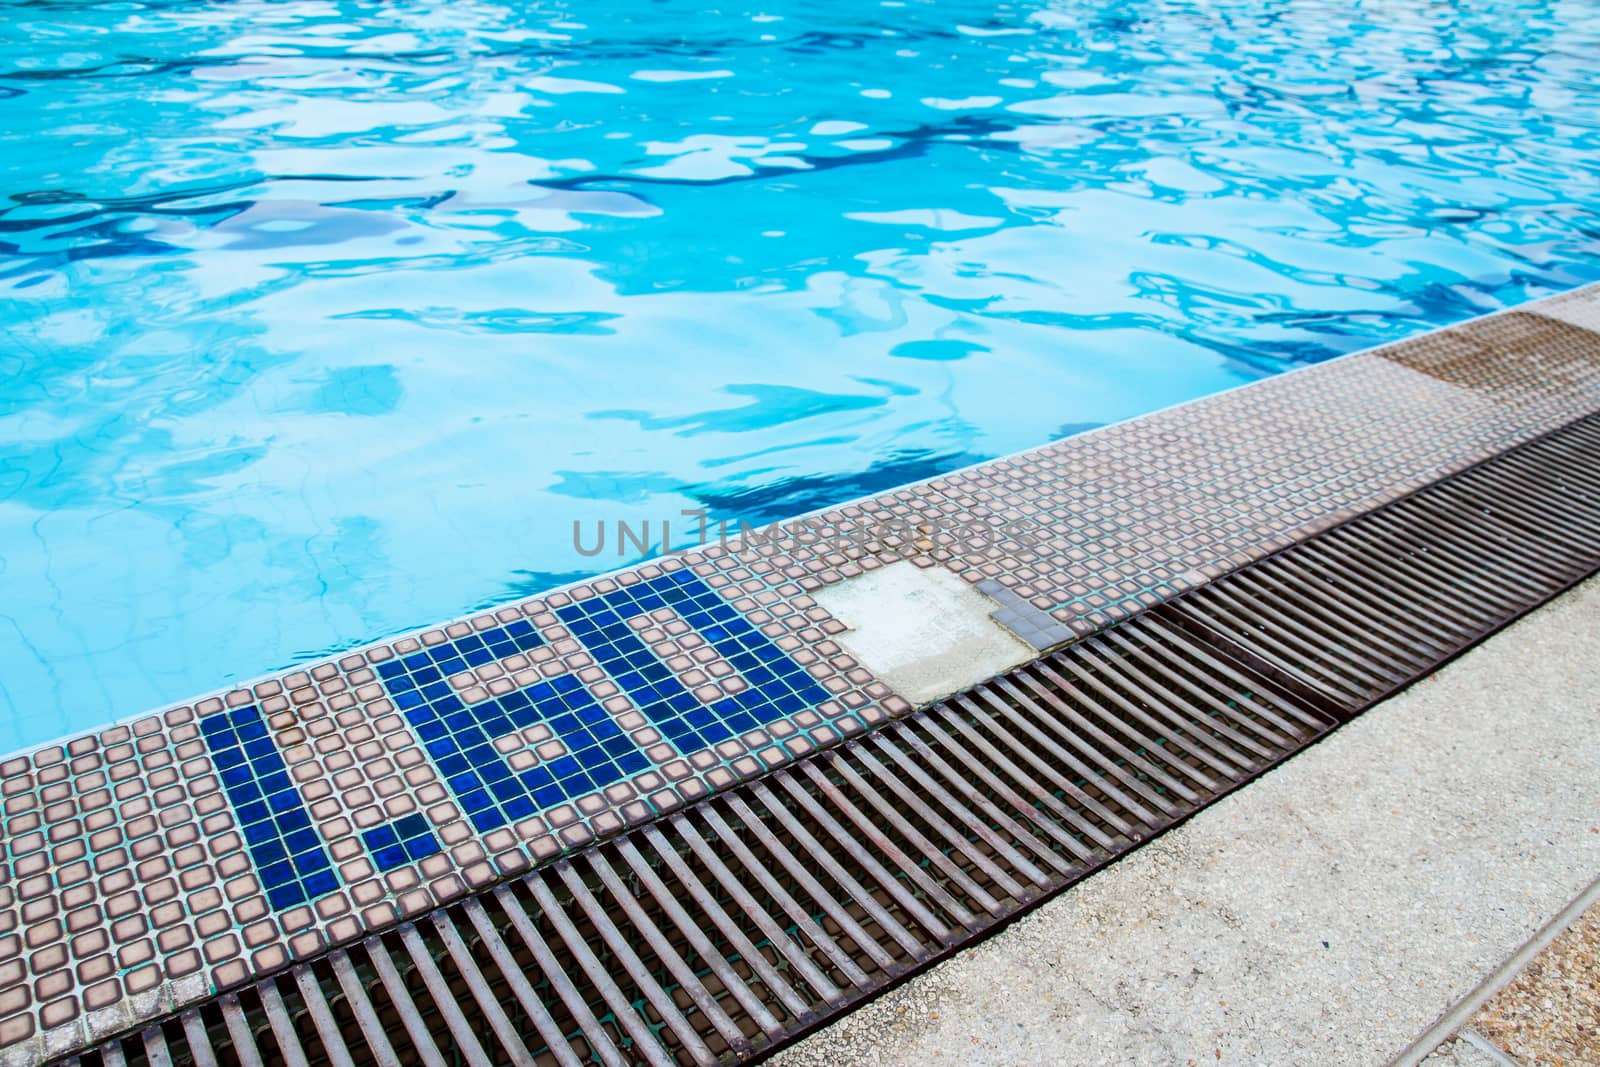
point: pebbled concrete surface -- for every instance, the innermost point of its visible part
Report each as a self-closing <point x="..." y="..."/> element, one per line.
<point x="1550" y="1013"/>
<point x="1325" y="914"/>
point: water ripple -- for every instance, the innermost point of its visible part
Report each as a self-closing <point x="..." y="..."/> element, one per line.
<point x="324" y="319"/>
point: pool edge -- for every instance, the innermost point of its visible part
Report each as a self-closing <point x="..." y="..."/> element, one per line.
<point x="1471" y="401"/>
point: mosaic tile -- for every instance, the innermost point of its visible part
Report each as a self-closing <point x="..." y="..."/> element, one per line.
<point x="1036" y="627"/>
<point x="406" y="840"/>
<point x="289" y="856"/>
<point x="151" y="863"/>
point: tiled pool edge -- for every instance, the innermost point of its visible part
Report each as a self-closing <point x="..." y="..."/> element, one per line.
<point x="1347" y="436"/>
<point x="1577" y="307"/>
<point x="834" y="838"/>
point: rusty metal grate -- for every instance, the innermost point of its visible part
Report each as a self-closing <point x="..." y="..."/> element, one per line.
<point x="720" y="933"/>
<point x="1350" y="616"/>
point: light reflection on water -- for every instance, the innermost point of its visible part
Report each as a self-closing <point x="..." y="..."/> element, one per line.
<point x="324" y="320"/>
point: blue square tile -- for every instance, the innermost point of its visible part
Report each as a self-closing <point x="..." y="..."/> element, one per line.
<point x="280" y="873"/>
<point x="389" y="857"/>
<point x="301" y="841"/>
<point x="320" y="883"/>
<point x="285" y="895"/>
<point x="381" y="836"/>
<point x="413" y="825"/>
<point x="254" y="813"/>
<point x="422" y="846"/>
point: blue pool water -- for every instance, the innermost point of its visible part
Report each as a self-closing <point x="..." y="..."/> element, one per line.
<point x="323" y="320"/>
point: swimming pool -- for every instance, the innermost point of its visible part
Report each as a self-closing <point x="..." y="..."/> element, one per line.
<point x="326" y="320"/>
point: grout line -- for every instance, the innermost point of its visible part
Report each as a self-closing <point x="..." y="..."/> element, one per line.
<point x="1455" y="1019"/>
<point x="1487" y="1047"/>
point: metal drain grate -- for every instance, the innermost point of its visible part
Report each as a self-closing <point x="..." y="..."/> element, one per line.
<point x="719" y="932"/>
<point x="722" y="932"/>
<point x="1354" y="614"/>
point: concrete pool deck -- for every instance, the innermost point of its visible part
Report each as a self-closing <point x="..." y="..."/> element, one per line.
<point x="1327" y="913"/>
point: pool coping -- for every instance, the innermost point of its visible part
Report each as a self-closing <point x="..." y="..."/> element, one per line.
<point x="1121" y="518"/>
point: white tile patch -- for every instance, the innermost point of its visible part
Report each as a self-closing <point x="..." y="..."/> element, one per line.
<point x="925" y="631"/>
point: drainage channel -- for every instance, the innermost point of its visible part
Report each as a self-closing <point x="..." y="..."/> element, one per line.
<point x="721" y="933"/>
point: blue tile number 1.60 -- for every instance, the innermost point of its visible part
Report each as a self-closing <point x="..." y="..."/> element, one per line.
<point x="459" y="738"/>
